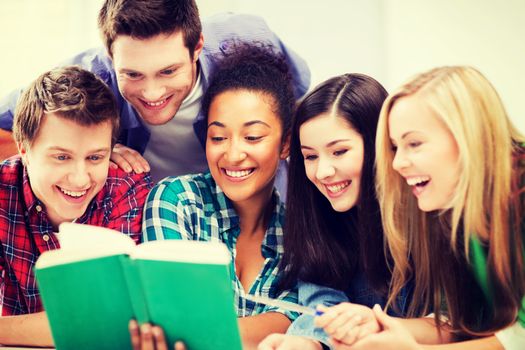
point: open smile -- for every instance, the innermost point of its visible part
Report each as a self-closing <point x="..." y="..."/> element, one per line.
<point x="238" y="175"/>
<point x="73" y="196"/>
<point x="338" y="188"/>
<point x="418" y="184"/>
<point x="156" y="105"/>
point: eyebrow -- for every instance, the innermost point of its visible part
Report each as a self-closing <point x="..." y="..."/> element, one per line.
<point x="61" y="149"/>
<point x="329" y="144"/>
<point x="405" y="134"/>
<point x="171" y="66"/>
<point x="245" y="125"/>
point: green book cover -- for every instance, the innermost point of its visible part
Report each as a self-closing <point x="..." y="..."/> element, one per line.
<point x="98" y="280"/>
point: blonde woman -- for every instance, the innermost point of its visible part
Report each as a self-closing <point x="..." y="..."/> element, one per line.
<point x="451" y="177"/>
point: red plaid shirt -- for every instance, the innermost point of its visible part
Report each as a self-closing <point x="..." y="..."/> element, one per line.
<point x="26" y="232"/>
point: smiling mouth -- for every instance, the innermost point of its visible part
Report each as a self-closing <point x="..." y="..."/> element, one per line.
<point x="238" y="174"/>
<point x="418" y="184"/>
<point x="335" y="189"/>
<point x="418" y="181"/>
<point x="156" y="104"/>
<point x="72" y="194"/>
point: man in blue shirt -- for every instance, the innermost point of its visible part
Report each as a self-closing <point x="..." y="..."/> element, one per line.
<point x="157" y="60"/>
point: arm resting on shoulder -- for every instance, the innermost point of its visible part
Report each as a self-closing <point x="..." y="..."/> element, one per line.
<point x="30" y="329"/>
<point x="254" y="329"/>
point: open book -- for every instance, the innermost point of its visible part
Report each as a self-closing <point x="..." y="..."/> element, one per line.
<point x="99" y="279"/>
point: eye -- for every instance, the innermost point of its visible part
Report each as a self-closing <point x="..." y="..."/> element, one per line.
<point x="61" y="157"/>
<point x="310" y="157"/>
<point x="414" y="144"/>
<point x="133" y="75"/>
<point x="217" y="138"/>
<point x="340" y="152"/>
<point x="253" y="138"/>
<point x="95" y="157"/>
<point x="167" y="72"/>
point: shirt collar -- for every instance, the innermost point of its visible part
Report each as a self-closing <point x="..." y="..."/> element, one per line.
<point x="29" y="197"/>
<point x="225" y="213"/>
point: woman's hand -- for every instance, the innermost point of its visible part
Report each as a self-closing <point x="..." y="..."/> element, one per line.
<point x="148" y="337"/>
<point x="346" y="323"/>
<point x="393" y="335"/>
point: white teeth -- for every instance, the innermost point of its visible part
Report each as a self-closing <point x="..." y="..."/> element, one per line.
<point x="339" y="187"/>
<point x="412" y="181"/>
<point x="155" y="104"/>
<point x="73" y="193"/>
<point x="238" y="173"/>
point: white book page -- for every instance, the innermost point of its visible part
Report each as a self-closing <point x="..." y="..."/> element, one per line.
<point x="183" y="251"/>
<point x="81" y="242"/>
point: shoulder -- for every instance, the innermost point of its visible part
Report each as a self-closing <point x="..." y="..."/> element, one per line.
<point x="119" y="183"/>
<point x="192" y="188"/>
<point x="11" y="171"/>
<point x="229" y="22"/>
<point x="94" y="60"/>
<point x="222" y="29"/>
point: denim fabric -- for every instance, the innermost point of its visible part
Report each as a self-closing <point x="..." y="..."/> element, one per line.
<point x="359" y="292"/>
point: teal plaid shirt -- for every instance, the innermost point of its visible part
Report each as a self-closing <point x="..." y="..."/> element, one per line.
<point x="194" y="207"/>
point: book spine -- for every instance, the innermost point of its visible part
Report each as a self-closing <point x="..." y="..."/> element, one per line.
<point x="136" y="293"/>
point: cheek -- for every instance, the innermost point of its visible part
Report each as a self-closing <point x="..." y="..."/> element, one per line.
<point x="310" y="169"/>
<point x="100" y="175"/>
<point x="212" y="153"/>
<point x="126" y="87"/>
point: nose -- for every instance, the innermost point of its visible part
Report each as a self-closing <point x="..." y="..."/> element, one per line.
<point x="325" y="169"/>
<point x="153" y="90"/>
<point x="235" y="153"/>
<point x="79" y="176"/>
<point x="400" y="161"/>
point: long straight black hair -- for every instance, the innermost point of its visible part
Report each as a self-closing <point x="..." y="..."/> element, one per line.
<point x="321" y="245"/>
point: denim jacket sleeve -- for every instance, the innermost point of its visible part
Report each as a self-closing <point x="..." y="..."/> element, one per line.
<point x="311" y="295"/>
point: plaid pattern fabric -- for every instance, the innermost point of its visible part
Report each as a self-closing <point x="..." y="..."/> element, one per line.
<point x="193" y="207"/>
<point x="26" y="232"/>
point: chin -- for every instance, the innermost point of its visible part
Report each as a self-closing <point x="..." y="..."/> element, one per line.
<point x="426" y="208"/>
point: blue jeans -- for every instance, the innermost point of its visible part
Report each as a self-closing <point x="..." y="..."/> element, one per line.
<point x="359" y="292"/>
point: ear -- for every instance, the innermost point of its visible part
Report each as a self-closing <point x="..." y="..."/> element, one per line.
<point x="198" y="48"/>
<point x="22" y="151"/>
<point x="285" y="147"/>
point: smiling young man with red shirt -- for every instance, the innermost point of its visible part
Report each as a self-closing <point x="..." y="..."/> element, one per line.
<point x="65" y="126"/>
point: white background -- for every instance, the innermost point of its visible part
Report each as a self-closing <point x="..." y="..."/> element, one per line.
<point x="389" y="40"/>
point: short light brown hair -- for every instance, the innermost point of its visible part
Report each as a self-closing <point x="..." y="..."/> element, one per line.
<point x="144" y="19"/>
<point x="72" y="93"/>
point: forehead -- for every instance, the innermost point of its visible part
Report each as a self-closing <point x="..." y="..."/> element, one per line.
<point x="57" y="131"/>
<point x="236" y="107"/>
<point x="143" y="54"/>
<point x="412" y="114"/>
<point x="325" y="128"/>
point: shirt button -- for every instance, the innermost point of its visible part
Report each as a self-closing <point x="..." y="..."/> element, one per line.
<point x="39" y="208"/>
<point x="45" y="238"/>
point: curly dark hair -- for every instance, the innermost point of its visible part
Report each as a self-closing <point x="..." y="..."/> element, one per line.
<point x="254" y="67"/>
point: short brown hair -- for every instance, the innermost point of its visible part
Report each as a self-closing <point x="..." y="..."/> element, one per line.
<point x="144" y="19"/>
<point x="72" y="93"/>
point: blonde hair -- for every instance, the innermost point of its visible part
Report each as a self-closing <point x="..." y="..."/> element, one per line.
<point x="486" y="139"/>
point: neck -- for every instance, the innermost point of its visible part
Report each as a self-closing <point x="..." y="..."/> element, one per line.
<point x="254" y="214"/>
